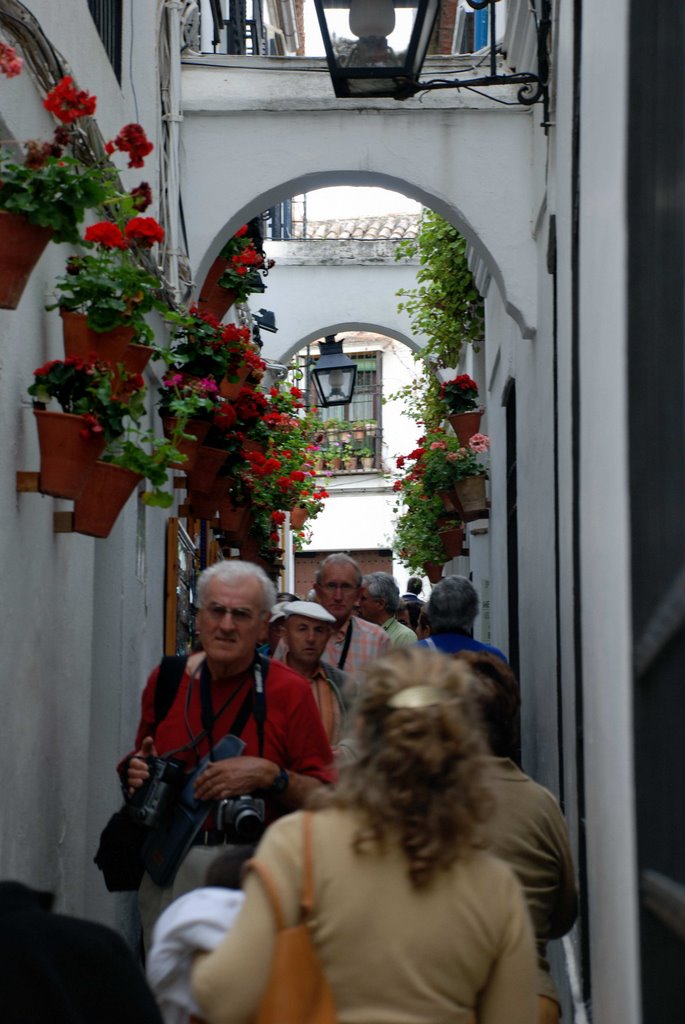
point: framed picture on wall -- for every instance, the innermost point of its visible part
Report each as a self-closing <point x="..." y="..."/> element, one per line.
<point x="180" y="579"/>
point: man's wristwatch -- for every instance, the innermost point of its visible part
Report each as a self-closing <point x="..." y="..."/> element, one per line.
<point x="280" y="783"/>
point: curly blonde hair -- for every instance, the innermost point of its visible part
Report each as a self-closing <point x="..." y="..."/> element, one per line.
<point x="418" y="775"/>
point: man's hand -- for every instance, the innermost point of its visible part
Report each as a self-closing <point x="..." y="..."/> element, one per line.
<point x="138" y="770"/>
<point x="235" y="776"/>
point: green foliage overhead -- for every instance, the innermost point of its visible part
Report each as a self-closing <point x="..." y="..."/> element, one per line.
<point x="445" y="306"/>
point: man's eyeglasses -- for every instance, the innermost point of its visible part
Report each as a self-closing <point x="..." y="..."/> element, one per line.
<point x="332" y="587"/>
<point x="218" y="612"/>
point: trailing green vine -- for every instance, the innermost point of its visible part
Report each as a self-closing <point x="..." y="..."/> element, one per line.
<point x="445" y="306"/>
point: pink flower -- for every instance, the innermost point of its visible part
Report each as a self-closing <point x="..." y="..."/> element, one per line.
<point x="479" y="443"/>
<point x="438" y="445"/>
<point x="10" y="63"/>
<point x="207" y="384"/>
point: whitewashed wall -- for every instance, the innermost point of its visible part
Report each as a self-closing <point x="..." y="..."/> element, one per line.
<point x="81" y="619"/>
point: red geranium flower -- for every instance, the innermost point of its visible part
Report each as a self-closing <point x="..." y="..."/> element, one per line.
<point x="141" y="196"/>
<point x="107" y="234"/>
<point x="145" y="231"/>
<point x="68" y="103"/>
<point x="132" y="140"/>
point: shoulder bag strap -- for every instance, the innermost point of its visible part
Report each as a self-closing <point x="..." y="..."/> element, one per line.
<point x="171" y="669"/>
<point x="266" y="878"/>
<point x="307" y="897"/>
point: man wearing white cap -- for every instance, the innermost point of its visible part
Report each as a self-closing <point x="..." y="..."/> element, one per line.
<point x="308" y="628"/>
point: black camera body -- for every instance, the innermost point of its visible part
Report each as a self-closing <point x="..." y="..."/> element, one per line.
<point x="150" y="803"/>
<point x="241" y="818"/>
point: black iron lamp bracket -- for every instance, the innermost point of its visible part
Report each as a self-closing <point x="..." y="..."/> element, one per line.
<point x="534" y="86"/>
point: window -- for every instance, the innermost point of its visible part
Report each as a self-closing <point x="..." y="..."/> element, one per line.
<point x="360" y="421"/>
<point x="107" y="15"/>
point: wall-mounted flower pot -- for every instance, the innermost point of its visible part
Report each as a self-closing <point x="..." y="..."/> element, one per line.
<point x="471" y="498"/>
<point x="230" y="389"/>
<point x="255" y="447"/>
<point x="433" y="571"/>
<point x="107" y="490"/>
<point x="234" y="520"/>
<point x="21" y="246"/>
<point x="298" y="517"/>
<point x="82" y="340"/>
<point x="190" y="446"/>
<point x="452" y="540"/>
<point x="203" y="476"/>
<point x="448" y="500"/>
<point x="367" y="462"/>
<point x="213" y="298"/>
<point x="136" y="357"/>
<point x="466" y="424"/>
<point x="68" y="451"/>
<point x="351" y="464"/>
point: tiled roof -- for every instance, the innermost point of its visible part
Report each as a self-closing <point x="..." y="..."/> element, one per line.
<point x="388" y="226"/>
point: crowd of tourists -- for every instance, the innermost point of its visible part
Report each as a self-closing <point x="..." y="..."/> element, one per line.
<point x="342" y="767"/>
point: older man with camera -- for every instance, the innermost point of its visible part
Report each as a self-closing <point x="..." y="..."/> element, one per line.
<point x="227" y="688"/>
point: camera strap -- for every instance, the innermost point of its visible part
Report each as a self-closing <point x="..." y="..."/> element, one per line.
<point x="253" y="703"/>
<point x="346" y="645"/>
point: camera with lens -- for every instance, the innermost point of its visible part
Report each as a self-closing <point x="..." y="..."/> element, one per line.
<point x="151" y="802"/>
<point x="242" y="818"/>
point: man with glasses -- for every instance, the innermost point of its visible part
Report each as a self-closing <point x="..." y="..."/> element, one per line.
<point x="354" y="642"/>
<point x="227" y="688"/>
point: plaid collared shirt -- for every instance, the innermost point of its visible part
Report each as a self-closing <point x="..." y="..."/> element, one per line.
<point x="367" y="643"/>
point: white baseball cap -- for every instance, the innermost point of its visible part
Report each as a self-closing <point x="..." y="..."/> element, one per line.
<point x="278" y="611"/>
<point x="310" y="610"/>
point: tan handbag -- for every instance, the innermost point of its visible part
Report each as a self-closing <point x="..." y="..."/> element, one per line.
<point x="298" y="991"/>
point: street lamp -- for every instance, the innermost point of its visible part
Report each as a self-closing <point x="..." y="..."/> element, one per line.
<point x="369" y="48"/>
<point x="334" y="374"/>
<point x="377" y="48"/>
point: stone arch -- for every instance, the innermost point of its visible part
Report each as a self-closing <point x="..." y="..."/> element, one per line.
<point x="340" y="328"/>
<point x="521" y="311"/>
<point x="252" y="137"/>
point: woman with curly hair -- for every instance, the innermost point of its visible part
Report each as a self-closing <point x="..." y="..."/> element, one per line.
<point x="412" y="921"/>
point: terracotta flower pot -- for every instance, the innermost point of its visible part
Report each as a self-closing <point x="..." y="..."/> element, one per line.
<point x="256" y="447"/>
<point x="203" y="476"/>
<point x="213" y="298"/>
<point x="81" y="340"/>
<point x="198" y="429"/>
<point x="448" y="500"/>
<point x="452" y="540"/>
<point x="433" y="571"/>
<point x="471" y="499"/>
<point x="66" y="457"/>
<point x="21" y="246"/>
<point x="234" y="520"/>
<point x="466" y="424"/>
<point x="107" y="490"/>
<point x="230" y="389"/>
<point x="136" y="357"/>
<point x="298" y="517"/>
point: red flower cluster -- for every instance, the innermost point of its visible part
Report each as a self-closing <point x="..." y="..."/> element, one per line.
<point x="107" y="234"/>
<point x="250" y="405"/>
<point x="144" y="231"/>
<point x="262" y="466"/>
<point x="141" y="196"/>
<point x="68" y="103"/>
<point x="91" y="428"/>
<point x="132" y="140"/>
<point x="278" y="518"/>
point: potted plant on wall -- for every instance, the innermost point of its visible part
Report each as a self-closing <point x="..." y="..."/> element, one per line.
<point x="366" y="456"/>
<point x="229" y="277"/>
<point x="126" y="461"/>
<point x="460" y="396"/>
<point x="105" y="295"/>
<point x="92" y="416"/>
<point x="470" y="476"/>
<point x="46" y="193"/>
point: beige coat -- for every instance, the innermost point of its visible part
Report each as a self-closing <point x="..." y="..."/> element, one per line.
<point x="528" y="831"/>
<point x="392" y="954"/>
